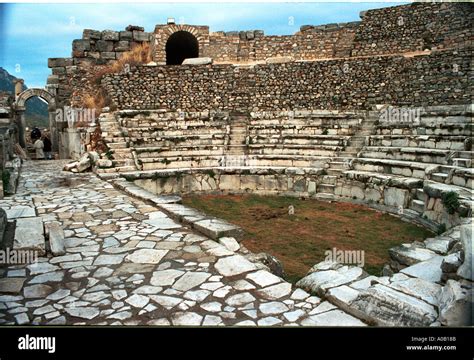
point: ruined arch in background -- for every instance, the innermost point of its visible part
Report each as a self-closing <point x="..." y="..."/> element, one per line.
<point x="20" y="107"/>
<point x="179" y="46"/>
<point x="163" y="33"/>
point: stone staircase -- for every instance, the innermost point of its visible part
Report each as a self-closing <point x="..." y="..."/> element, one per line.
<point x="113" y="135"/>
<point x="237" y="136"/>
<point x="341" y="162"/>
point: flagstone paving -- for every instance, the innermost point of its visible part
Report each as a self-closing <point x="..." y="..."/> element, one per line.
<point x="127" y="263"/>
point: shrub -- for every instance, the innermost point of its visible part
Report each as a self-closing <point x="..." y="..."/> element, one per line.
<point x="140" y="54"/>
<point x="450" y="201"/>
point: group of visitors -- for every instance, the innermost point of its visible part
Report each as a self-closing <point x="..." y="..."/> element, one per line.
<point x="41" y="144"/>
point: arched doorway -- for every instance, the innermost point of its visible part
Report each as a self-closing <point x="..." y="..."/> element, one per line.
<point x="20" y="107"/>
<point x="181" y="45"/>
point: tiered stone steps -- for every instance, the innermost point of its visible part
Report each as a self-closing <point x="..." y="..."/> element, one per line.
<point x="117" y="142"/>
<point x="342" y="161"/>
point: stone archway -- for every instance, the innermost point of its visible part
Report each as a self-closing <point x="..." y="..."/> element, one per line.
<point x="194" y="38"/>
<point x="181" y="45"/>
<point x="20" y="107"/>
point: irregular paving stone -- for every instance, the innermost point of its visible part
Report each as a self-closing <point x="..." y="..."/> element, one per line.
<point x="332" y="318"/>
<point x="59" y="294"/>
<point x="190" y="280"/>
<point x="234" y="265"/>
<point x="263" y="278"/>
<point x="88" y="313"/>
<point x="138" y="301"/>
<point x="186" y="318"/>
<point x="41" y="267"/>
<point x="37" y="291"/>
<point x="167" y="302"/>
<point x="273" y="308"/>
<point x="293" y="316"/>
<point x="147" y="256"/>
<point x="11" y="285"/>
<point x="269" y="321"/>
<point x="230" y="243"/>
<point x="212" y="320"/>
<point x="240" y="299"/>
<point x="275" y="292"/>
<point x="165" y="277"/>
<point x="48" y="277"/>
<point x="212" y="306"/>
<point x="108" y="260"/>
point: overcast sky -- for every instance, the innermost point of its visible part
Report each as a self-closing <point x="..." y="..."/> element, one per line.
<point x="31" y="33"/>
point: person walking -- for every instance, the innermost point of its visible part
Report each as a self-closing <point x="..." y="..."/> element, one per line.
<point x="39" y="146"/>
<point x="47" y="147"/>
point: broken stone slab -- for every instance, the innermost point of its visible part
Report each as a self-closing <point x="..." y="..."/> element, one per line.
<point x="429" y="270"/>
<point x="440" y="245"/>
<point x="20" y="211"/>
<point x="29" y="235"/>
<point x="451" y="263"/>
<point x="465" y="270"/>
<point x="419" y="288"/>
<point x="216" y="228"/>
<point x="342" y="297"/>
<point x="56" y="239"/>
<point x="385" y="306"/>
<point x="410" y="254"/>
<point x="455" y="305"/>
<point x="320" y="282"/>
<point x="198" y="61"/>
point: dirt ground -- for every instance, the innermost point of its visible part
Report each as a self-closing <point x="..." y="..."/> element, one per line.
<point x="300" y="240"/>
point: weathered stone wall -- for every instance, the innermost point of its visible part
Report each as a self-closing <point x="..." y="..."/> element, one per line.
<point x="392" y="30"/>
<point x="73" y="77"/>
<point x="443" y="77"/>
<point x="414" y="27"/>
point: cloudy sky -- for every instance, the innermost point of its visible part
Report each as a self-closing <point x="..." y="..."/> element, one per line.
<point x="31" y="33"/>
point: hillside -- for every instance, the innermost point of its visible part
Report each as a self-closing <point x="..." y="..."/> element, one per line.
<point x="36" y="110"/>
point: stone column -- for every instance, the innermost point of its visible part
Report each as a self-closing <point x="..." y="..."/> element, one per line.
<point x="18" y="87"/>
<point x="53" y="130"/>
<point x="21" y="125"/>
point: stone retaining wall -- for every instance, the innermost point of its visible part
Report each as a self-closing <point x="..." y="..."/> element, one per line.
<point x="335" y="84"/>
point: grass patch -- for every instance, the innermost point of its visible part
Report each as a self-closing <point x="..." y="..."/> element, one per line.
<point x="300" y="240"/>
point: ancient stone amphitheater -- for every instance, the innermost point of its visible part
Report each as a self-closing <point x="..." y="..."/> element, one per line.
<point x="375" y="112"/>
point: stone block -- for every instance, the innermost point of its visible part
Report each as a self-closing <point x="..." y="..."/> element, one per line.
<point x="396" y="197"/>
<point x="110" y="35"/>
<point x="81" y="45"/>
<point x="29" y="235"/>
<point x="56" y="239"/>
<point x="198" y="61"/>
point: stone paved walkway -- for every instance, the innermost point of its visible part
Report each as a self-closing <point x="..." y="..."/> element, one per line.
<point x="128" y="263"/>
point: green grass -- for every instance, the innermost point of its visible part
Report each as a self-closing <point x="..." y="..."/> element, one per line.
<point x="299" y="241"/>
